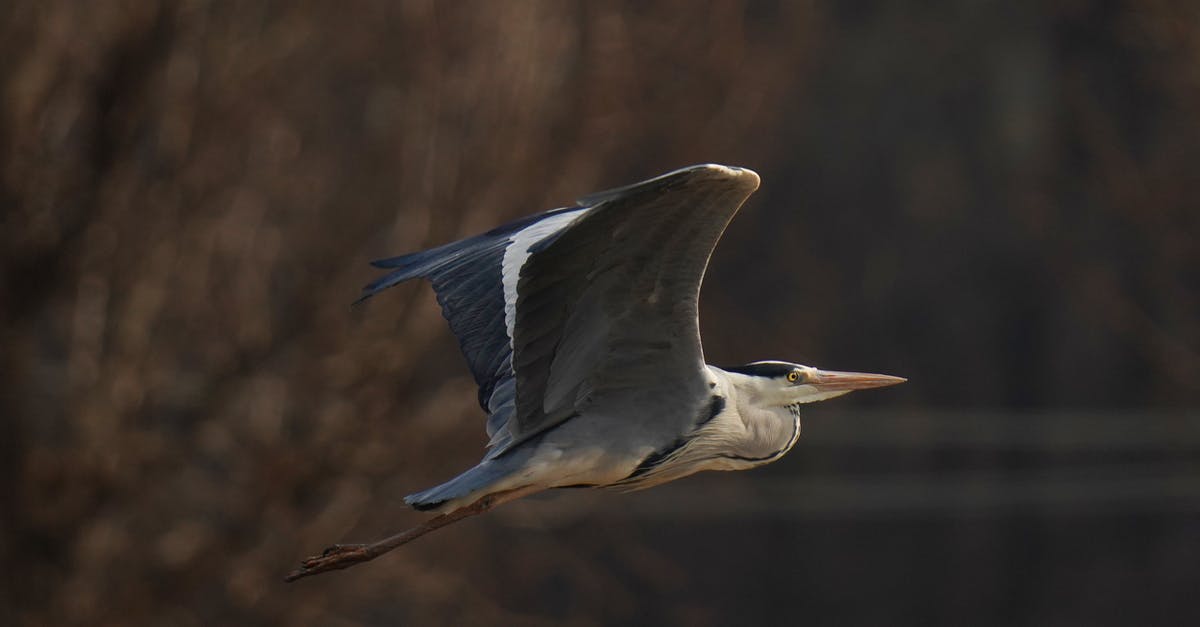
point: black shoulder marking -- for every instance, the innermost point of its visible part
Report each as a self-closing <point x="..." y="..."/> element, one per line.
<point x="654" y="459"/>
<point x="715" y="407"/>
<point x="762" y="369"/>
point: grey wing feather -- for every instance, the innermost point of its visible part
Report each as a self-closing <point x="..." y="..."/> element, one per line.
<point x="607" y="308"/>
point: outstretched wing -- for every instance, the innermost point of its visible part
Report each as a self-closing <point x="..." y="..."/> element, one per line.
<point x="606" y="310"/>
<point x="583" y="304"/>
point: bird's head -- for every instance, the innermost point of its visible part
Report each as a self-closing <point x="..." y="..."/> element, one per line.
<point x="783" y="384"/>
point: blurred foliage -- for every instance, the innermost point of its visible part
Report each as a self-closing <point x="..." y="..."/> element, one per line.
<point x="996" y="200"/>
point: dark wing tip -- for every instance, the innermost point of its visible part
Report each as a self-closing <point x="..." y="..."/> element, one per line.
<point x="388" y="280"/>
<point x="740" y="178"/>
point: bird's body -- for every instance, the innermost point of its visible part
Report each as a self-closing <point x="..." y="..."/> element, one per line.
<point x="580" y="326"/>
<point x="604" y="449"/>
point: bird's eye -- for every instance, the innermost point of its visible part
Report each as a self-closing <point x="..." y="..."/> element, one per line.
<point x="793" y="376"/>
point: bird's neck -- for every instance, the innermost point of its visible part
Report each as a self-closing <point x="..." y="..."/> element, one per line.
<point x="754" y="431"/>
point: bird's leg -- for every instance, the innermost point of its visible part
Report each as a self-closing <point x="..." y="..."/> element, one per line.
<point x="341" y="556"/>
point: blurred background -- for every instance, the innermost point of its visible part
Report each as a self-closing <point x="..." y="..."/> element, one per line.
<point x="1000" y="201"/>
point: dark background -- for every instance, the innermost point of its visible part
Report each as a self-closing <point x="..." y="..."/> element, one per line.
<point x="998" y="200"/>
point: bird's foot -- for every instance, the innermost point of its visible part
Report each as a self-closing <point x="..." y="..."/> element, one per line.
<point x="336" y="557"/>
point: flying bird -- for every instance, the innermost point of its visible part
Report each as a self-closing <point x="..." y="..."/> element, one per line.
<point x="580" y="326"/>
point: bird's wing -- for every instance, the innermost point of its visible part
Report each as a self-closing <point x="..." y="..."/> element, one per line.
<point x="599" y="297"/>
<point x="467" y="276"/>
<point x="606" y="307"/>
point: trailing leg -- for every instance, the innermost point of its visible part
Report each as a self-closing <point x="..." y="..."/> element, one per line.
<point x="341" y="556"/>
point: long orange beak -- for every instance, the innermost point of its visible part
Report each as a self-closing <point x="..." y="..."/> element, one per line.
<point x="833" y="380"/>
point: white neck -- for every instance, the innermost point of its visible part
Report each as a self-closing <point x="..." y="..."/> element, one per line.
<point x="761" y="427"/>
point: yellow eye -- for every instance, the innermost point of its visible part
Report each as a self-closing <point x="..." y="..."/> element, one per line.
<point x="793" y="376"/>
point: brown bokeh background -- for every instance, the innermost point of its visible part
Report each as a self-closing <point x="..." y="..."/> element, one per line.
<point x="1000" y="201"/>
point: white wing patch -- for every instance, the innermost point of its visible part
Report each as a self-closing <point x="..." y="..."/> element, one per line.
<point x="517" y="253"/>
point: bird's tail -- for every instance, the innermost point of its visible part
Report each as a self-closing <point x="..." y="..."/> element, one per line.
<point x="487" y="477"/>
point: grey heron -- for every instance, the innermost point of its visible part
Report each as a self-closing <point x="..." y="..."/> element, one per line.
<point x="581" y="329"/>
